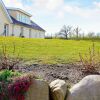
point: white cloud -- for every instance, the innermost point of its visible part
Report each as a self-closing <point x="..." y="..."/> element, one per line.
<point x="49" y="4"/>
<point x="92" y="12"/>
<point x="57" y="7"/>
<point x="13" y="3"/>
<point x="54" y="4"/>
<point x="96" y="4"/>
<point x="60" y="14"/>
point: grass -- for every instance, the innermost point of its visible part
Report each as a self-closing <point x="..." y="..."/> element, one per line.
<point x="48" y="51"/>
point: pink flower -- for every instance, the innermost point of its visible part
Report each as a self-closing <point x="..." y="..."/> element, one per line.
<point x="20" y="97"/>
<point x="18" y="88"/>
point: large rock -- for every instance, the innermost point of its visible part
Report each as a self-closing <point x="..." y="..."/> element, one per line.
<point x="58" y="90"/>
<point x="39" y="90"/>
<point x="87" y="89"/>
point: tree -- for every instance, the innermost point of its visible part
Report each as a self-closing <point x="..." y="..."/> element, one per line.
<point x="91" y="34"/>
<point x="77" y="31"/>
<point x="65" y="31"/>
<point x="83" y="35"/>
<point x="98" y="35"/>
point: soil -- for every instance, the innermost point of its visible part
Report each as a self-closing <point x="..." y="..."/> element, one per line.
<point x="69" y="72"/>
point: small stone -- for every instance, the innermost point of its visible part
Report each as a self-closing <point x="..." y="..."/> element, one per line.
<point x="58" y="90"/>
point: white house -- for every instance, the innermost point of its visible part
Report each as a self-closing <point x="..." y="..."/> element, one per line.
<point x="17" y="22"/>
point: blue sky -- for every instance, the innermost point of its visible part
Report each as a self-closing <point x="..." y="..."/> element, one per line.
<point x="53" y="14"/>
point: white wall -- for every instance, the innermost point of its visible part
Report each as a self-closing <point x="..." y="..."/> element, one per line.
<point x="17" y="30"/>
<point x="38" y="34"/>
<point x="4" y="20"/>
<point x="34" y="33"/>
<point x="26" y="32"/>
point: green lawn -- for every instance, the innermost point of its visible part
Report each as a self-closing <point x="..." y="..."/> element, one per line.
<point x="48" y="50"/>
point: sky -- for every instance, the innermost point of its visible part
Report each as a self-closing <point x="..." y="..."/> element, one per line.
<point x="53" y="14"/>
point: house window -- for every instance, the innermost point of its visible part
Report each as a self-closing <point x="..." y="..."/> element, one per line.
<point x="23" y="18"/>
<point x="18" y="17"/>
<point x="6" y="30"/>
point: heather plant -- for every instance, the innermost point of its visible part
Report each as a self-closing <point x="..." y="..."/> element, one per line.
<point x="18" y="88"/>
<point x="90" y="61"/>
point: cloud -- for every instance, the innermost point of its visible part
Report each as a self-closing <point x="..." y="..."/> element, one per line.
<point x="96" y="4"/>
<point x="75" y="10"/>
<point x="55" y="7"/>
<point x="85" y="12"/>
<point x="58" y="7"/>
<point x="60" y="14"/>
<point x="13" y="3"/>
<point x="49" y="4"/>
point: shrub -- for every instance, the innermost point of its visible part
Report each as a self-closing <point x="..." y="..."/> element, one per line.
<point x="5" y="75"/>
<point x="91" y="62"/>
<point x="9" y="62"/>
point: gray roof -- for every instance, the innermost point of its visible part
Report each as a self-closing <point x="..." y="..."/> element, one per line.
<point x="32" y="25"/>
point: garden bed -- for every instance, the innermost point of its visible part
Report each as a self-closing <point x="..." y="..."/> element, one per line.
<point x="71" y="73"/>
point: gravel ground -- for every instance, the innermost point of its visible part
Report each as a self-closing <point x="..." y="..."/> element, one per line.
<point x="71" y="73"/>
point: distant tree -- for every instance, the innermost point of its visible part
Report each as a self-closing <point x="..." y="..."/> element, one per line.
<point x="98" y="35"/>
<point x="65" y="31"/>
<point x="48" y="36"/>
<point x="83" y="35"/>
<point x="56" y="35"/>
<point x="91" y="34"/>
<point x="77" y="31"/>
<point x="71" y="34"/>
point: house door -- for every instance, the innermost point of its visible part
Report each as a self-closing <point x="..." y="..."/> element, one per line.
<point x="6" y="30"/>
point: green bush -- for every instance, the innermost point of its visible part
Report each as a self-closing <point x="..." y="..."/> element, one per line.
<point x="5" y="75"/>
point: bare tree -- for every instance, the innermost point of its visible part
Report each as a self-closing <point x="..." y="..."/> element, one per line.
<point x="77" y="31"/>
<point x="65" y="31"/>
<point x="98" y="35"/>
<point x="91" y="34"/>
<point x="83" y="35"/>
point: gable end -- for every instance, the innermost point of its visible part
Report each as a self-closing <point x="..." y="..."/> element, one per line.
<point x="5" y="11"/>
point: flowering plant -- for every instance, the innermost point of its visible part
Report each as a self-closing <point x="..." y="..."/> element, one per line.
<point x="18" y="89"/>
<point x="12" y="88"/>
<point x="5" y="80"/>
